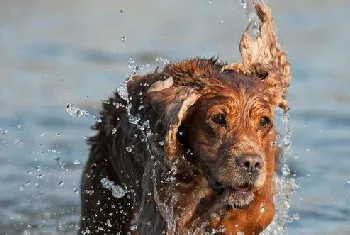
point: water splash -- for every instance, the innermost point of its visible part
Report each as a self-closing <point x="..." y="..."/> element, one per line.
<point x="77" y="112"/>
<point x="285" y="187"/>
<point x="249" y="6"/>
<point x="162" y="60"/>
<point x="146" y="135"/>
<point x="134" y="68"/>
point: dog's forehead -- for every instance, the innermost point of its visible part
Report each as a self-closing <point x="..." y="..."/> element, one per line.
<point x="234" y="99"/>
<point x="237" y="90"/>
<point x="237" y="81"/>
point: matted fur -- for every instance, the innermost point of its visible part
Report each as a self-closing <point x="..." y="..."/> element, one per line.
<point x="155" y="145"/>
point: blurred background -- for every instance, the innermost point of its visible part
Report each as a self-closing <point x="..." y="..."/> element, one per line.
<point x="57" y="52"/>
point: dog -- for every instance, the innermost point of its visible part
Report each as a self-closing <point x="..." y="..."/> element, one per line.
<point x="190" y="149"/>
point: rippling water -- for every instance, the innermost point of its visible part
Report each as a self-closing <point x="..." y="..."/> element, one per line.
<point x="54" y="53"/>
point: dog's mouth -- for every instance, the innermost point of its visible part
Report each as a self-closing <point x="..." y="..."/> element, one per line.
<point x="236" y="196"/>
<point x="242" y="189"/>
<point x="219" y="188"/>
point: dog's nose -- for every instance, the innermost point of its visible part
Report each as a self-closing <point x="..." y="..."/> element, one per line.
<point x="250" y="162"/>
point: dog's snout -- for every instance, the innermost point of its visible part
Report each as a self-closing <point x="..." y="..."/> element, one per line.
<point x="250" y="162"/>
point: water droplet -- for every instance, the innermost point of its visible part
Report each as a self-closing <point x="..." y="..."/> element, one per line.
<point x="61" y="183"/>
<point x="121" y="11"/>
<point x="262" y="208"/>
<point x="117" y="191"/>
<point x="123" y="39"/>
<point x="128" y="149"/>
<point x="76" y="112"/>
<point x="305" y="125"/>
<point x="76" y="162"/>
<point x="131" y="60"/>
<point x="37" y="167"/>
<point x="76" y="190"/>
<point x="18" y="141"/>
<point x="58" y="134"/>
<point x="4" y="132"/>
<point x="19" y="126"/>
<point x="348" y="181"/>
<point x="37" y="185"/>
<point x="109" y="223"/>
<point x="162" y="60"/>
<point x="133" y="227"/>
<point x="40" y="176"/>
<point x="285" y="170"/>
<point x="244" y="4"/>
<point x="86" y="232"/>
<point x="293" y="218"/>
<point x="90" y="192"/>
<point x="114" y="130"/>
<point x="42" y="134"/>
<point x="106" y="183"/>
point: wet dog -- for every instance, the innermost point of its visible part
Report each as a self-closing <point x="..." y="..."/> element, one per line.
<point x="190" y="149"/>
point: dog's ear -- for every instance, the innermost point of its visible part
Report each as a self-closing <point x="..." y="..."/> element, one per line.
<point x="171" y="104"/>
<point x="263" y="57"/>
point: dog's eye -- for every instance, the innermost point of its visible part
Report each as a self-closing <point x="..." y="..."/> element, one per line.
<point x="219" y="119"/>
<point x="265" y="121"/>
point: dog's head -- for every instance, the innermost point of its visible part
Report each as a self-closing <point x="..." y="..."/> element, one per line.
<point x="227" y="126"/>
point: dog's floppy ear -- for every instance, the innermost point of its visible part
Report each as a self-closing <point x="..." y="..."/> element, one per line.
<point x="263" y="57"/>
<point x="171" y="104"/>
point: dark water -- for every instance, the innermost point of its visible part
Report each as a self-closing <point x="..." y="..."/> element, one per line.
<point x="58" y="52"/>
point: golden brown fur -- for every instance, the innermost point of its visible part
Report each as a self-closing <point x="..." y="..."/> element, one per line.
<point x="191" y="146"/>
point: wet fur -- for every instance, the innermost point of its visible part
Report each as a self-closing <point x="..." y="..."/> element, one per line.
<point x="110" y="159"/>
<point x="167" y="175"/>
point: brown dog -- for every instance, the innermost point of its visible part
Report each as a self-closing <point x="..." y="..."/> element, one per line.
<point x="190" y="150"/>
